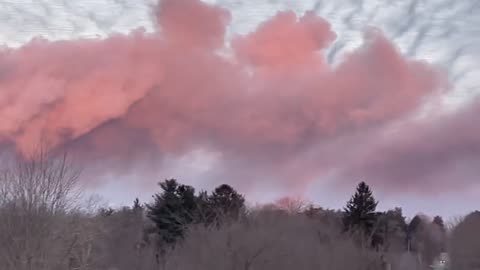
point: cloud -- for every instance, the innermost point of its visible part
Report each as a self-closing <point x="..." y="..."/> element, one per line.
<point x="271" y="111"/>
<point x="437" y="153"/>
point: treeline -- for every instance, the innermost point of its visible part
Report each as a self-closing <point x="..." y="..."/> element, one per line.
<point x="45" y="224"/>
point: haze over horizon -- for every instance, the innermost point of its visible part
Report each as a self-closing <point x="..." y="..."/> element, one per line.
<point x="275" y="98"/>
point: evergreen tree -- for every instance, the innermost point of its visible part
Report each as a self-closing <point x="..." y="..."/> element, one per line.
<point x="412" y="229"/>
<point x="205" y="212"/>
<point x="438" y="220"/>
<point x="392" y="229"/>
<point x="136" y="204"/>
<point x="172" y="210"/>
<point x="227" y="202"/>
<point x="137" y="207"/>
<point x="425" y="238"/>
<point x="414" y="224"/>
<point x="360" y="215"/>
<point x="440" y="231"/>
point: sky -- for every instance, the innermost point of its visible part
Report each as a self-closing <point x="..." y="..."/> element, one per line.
<point x="277" y="98"/>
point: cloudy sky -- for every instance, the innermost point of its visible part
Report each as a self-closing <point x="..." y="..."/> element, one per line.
<point x="278" y="97"/>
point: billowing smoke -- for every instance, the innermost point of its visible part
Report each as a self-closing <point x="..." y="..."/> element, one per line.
<point x="267" y="104"/>
<point x="441" y="152"/>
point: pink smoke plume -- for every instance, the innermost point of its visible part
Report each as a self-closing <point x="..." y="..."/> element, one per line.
<point x="441" y="152"/>
<point x="270" y="107"/>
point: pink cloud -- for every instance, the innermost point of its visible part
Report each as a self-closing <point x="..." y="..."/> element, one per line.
<point x="144" y="96"/>
<point x="437" y="153"/>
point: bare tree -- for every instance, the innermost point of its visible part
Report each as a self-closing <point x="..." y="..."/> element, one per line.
<point x="36" y="193"/>
<point x="270" y="239"/>
<point x="292" y="205"/>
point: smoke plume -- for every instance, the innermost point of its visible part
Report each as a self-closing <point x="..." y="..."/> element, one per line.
<point x="441" y="152"/>
<point x="267" y="102"/>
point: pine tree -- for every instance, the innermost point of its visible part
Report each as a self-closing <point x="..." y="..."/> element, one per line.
<point x="391" y="230"/>
<point x="205" y="211"/>
<point x="360" y="215"/>
<point x="137" y="207"/>
<point x="412" y="229"/>
<point x="227" y="202"/>
<point x="441" y="232"/>
<point x="172" y="210"/>
<point x="438" y="220"/>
